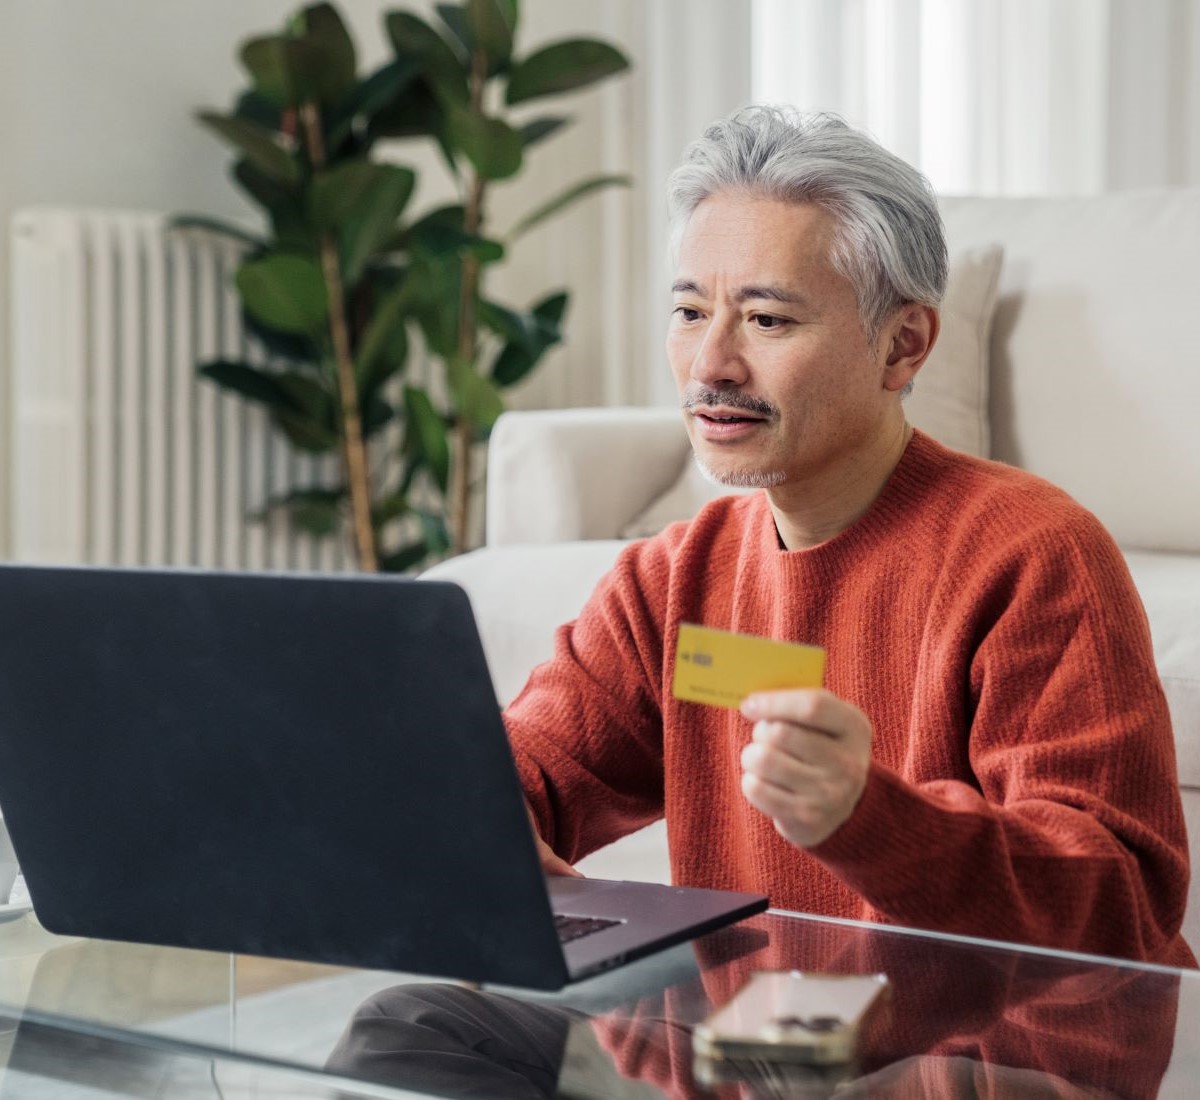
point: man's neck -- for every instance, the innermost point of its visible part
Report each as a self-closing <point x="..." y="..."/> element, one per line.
<point x="814" y="511"/>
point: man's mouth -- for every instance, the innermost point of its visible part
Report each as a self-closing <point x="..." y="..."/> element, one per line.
<point x="726" y="416"/>
<point x="726" y="425"/>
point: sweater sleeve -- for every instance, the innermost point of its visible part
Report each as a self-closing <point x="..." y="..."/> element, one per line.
<point x="586" y="731"/>
<point x="1071" y="834"/>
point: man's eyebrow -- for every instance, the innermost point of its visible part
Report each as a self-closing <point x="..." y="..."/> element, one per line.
<point x="744" y="293"/>
<point x="773" y="293"/>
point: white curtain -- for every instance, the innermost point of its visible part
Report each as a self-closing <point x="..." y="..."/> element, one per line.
<point x="691" y="64"/>
<point x="999" y="97"/>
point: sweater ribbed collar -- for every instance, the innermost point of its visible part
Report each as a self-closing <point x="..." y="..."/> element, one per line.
<point x="903" y="491"/>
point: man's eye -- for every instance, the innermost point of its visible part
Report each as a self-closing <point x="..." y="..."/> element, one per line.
<point x="686" y="313"/>
<point x="767" y="322"/>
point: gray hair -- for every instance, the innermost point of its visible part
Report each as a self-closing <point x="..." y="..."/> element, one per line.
<point x="889" y="242"/>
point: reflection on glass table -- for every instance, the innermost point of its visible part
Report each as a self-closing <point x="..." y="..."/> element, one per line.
<point x="963" y="1019"/>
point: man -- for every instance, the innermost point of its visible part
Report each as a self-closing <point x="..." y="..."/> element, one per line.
<point x="992" y="753"/>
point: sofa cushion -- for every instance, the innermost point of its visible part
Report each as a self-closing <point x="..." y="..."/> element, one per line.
<point x="520" y="594"/>
<point x="1092" y="382"/>
<point x="1169" y="585"/>
<point x="948" y="402"/>
<point x="950" y="397"/>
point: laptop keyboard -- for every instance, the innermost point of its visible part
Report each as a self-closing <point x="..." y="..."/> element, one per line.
<point x="574" y="928"/>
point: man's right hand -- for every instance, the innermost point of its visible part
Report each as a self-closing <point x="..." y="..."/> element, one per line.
<point x="551" y="864"/>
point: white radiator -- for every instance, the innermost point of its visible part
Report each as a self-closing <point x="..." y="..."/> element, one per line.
<point x="121" y="454"/>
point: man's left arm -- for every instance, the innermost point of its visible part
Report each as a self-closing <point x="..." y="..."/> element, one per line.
<point x="1070" y="833"/>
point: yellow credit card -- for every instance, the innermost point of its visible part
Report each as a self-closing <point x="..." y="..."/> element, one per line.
<point x="721" y="668"/>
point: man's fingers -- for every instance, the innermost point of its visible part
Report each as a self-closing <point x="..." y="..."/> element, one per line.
<point x="807" y="761"/>
<point x="807" y="745"/>
<point x="782" y="768"/>
<point x="554" y="864"/>
<point x="815" y="708"/>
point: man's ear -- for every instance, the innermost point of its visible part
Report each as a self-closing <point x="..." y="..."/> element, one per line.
<point x="909" y="338"/>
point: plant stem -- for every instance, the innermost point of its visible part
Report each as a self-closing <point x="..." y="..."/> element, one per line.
<point x="354" y="449"/>
<point x="467" y="329"/>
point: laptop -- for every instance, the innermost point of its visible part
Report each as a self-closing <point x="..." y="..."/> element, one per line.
<point x="306" y="767"/>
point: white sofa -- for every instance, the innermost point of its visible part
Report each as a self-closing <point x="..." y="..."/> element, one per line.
<point x="1090" y="377"/>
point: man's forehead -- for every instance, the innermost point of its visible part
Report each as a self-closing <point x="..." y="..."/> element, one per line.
<point x="758" y="243"/>
<point x="771" y="291"/>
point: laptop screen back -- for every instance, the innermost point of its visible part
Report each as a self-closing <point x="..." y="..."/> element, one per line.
<point x="305" y="767"/>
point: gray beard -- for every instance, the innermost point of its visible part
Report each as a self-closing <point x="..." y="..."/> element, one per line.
<point x="742" y="479"/>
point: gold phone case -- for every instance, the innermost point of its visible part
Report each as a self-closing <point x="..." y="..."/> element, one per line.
<point x="790" y="1016"/>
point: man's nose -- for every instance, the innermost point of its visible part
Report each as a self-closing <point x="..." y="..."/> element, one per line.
<point x="719" y="359"/>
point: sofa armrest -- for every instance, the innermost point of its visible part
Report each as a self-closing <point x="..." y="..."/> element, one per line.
<point x="561" y="475"/>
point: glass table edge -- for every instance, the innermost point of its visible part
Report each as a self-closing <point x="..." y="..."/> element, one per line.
<point x="176" y="1046"/>
<point x="981" y="941"/>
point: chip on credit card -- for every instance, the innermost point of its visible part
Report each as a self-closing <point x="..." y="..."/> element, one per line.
<point x="720" y="667"/>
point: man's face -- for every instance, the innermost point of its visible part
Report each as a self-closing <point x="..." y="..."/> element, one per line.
<point x="778" y="381"/>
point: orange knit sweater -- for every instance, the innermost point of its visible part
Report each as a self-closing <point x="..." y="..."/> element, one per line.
<point x="1023" y="783"/>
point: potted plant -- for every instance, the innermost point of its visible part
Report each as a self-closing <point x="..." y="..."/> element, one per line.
<point x="341" y="279"/>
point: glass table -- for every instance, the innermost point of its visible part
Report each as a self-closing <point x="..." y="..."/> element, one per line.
<point x="96" y="1019"/>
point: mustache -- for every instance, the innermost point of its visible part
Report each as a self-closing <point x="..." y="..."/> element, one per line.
<point x="730" y="399"/>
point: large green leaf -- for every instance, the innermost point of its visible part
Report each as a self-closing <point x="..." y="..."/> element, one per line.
<point x="538" y="129"/>
<point x="404" y="559"/>
<point x="492" y="24"/>
<point x="212" y="226"/>
<point x="312" y="424"/>
<point x="315" y="511"/>
<point x="426" y="435"/>
<point x="490" y="144"/>
<point x="298" y="404"/>
<point x="338" y="62"/>
<point x="265" y="190"/>
<point x="434" y="531"/>
<point x="550" y="311"/>
<point x="285" y="68"/>
<point x="376" y="413"/>
<point x="542" y="331"/>
<point x="419" y="112"/>
<point x="389" y="509"/>
<point x="412" y="37"/>
<point x="359" y="201"/>
<point x="438" y="235"/>
<point x="561" y="202"/>
<point x="370" y="97"/>
<point x="254" y="108"/>
<point x="383" y="351"/>
<point x="283" y="205"/>
<point x="563" y="67"/>
<point x="465" y="39"/>
<point x="310" y="396"/>
<point x="477" y="399"/>
<point x="452" y="214"/>
<point x="252" y="383"/>
<point x="281" y="345"/>
<point x="313" y="60"/>
<point x="416" y="113"/>
<point x="505" y="322"/>
<point x="513" y="363"/>
<point x="304" y="433"/>
<point x="444" y="241"/>
<point x="259" y="145"/>
<point x="455" y="18"/>
<point x="285" y="292"/>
